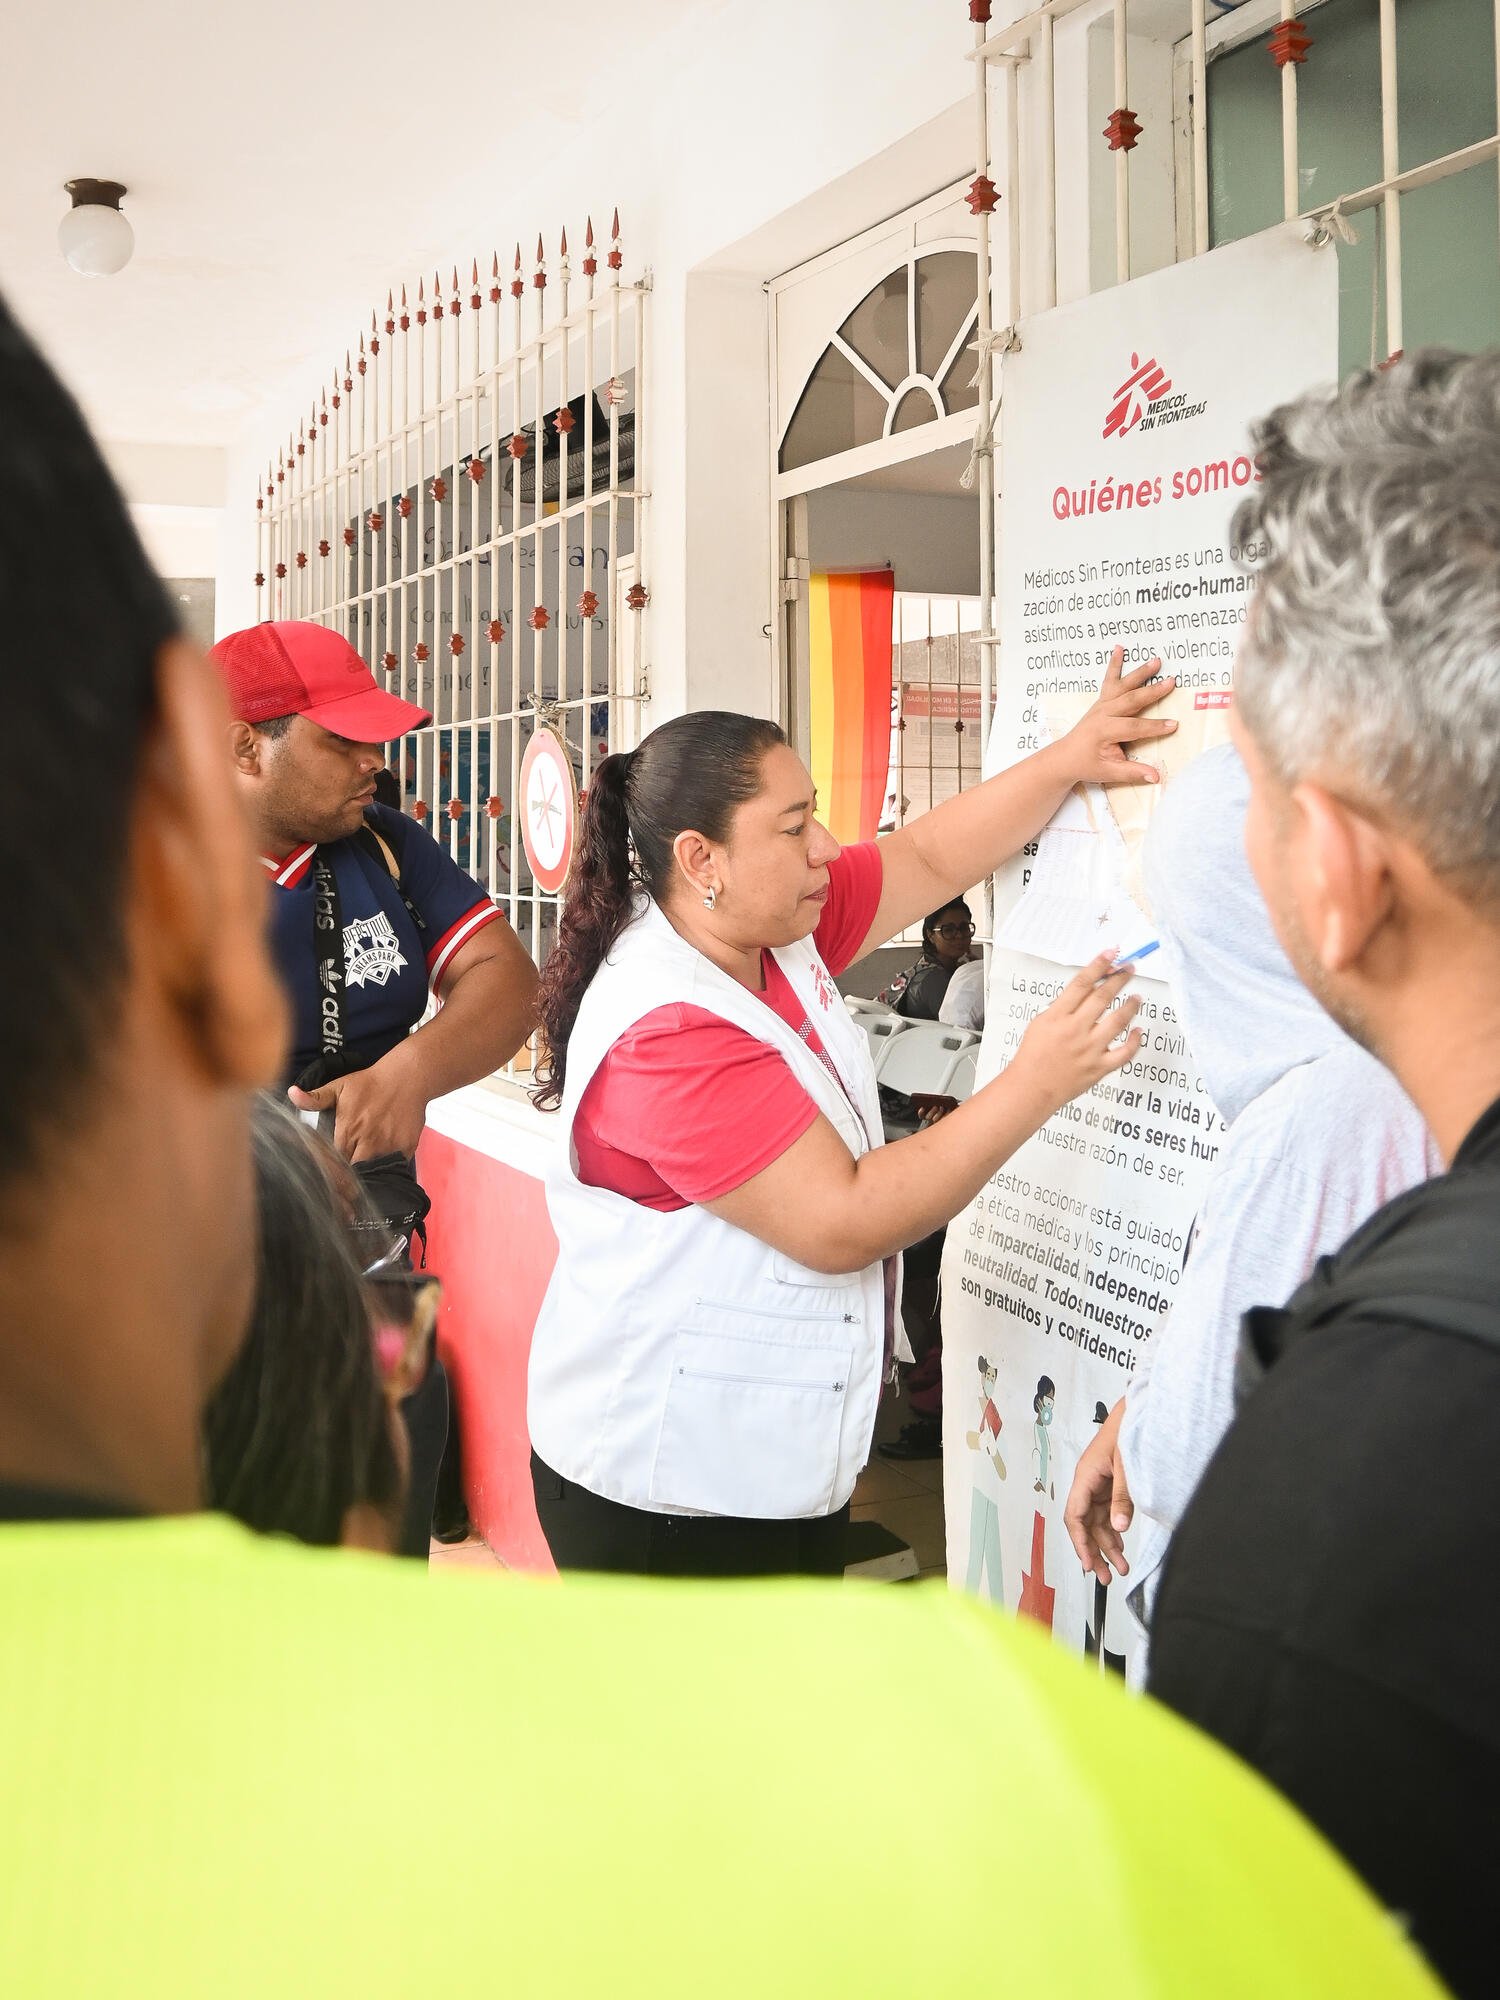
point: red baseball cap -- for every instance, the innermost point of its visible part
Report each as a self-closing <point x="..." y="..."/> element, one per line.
<point x="292" y="667"/>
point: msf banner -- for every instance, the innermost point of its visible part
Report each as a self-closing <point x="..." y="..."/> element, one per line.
<point x="1125" y="448"/>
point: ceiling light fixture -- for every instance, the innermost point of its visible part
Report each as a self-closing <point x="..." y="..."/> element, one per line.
<point x="94" y="236"/>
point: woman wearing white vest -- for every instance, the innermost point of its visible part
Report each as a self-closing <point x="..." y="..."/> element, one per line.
<point x="709" y="1356"/>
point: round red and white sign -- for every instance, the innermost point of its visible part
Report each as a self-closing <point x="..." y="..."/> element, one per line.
<point x="549" y="810"/>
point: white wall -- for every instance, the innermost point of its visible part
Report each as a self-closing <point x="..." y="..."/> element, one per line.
<point x="737" y="149"/>
<point x="745" y="146"/>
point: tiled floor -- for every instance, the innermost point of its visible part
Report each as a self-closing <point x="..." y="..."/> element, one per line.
<point x="472" y="1554"/>
<point x="907" y="1498"/>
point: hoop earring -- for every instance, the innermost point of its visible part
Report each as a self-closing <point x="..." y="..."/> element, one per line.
<point x="710" y="899"/>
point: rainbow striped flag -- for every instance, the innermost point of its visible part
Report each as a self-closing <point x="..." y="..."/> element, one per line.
<point x="849" y="654"/>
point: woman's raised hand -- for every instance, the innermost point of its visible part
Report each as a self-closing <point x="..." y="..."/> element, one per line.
<point x="1076" y="1041"/>
<point x="1096" y="742"/>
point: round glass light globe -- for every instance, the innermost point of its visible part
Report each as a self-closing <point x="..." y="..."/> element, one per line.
<point x="95" y="240"/>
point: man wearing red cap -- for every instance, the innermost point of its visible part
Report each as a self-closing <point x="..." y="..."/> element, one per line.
<point x="370" y="916"/>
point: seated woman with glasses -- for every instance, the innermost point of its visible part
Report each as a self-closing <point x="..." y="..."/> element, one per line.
<point x="947" y="943"/>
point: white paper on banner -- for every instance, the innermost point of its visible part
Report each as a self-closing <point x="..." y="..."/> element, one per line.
<point x="1124" y="452"/>
<point x="1077" y="899"/>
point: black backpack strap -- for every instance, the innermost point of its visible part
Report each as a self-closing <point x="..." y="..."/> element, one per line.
<point x="328" y="937"/>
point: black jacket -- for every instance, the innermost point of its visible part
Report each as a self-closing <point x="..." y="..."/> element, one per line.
<point x="1327" y="1608"/>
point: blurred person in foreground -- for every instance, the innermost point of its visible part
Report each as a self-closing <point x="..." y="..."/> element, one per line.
<point x="1318" y="1611"/>
<point x="224" y="1742"/>
<point x="303" y="1437"/>
<point x="1316" y="1136"/>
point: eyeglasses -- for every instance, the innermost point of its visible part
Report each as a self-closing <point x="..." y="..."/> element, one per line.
<point x="953" y="932"/>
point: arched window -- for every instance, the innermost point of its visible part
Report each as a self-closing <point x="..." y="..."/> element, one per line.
<point x="902" y="358"/>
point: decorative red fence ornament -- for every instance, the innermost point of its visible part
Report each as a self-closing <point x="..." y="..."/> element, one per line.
<point x="302" y="558"/>
<point x="376" y="520"/>
<point x="496" y="631"/>
<point x="495" y="292"/>
<point x="456" y="644"/>
<point x="421" y="304"/>
<point x="475" y="470"/>
<point x="324" y="545"/>
<point x="476" y="297"/>
<point x="280" y="571"/>
<point x="419" y="653"/>
<point x="540" y="619"/>
<point x="564" y="421"/>
<point x="979" y="10"/>
<point x="260" y="579"/>
<point x="389" y="662"/>
<point x="419" y="810"/>
<point x="540" y="280"/>
<point x="518" y="283"/>
<point x="1123" y="130"/>
<point x="982" y="196"/>
<point x="636" y="597"/>
<point x="362" y="364"/>
<point x="404" y="322"/>
<point x="588" y="604"/>
<point x="323" y="412"/>
<point x="616" y="256"/>
<point x="403" y="506"/>
<point x="1289" y="42"/>
<point x="495" y="807"/>
<point x="590" y="261"/>
<point x="519" y="445"/>
<point x="455" y="808"/>
<point x="437" y="296"/>
<point x="438" y="488"/>
<point x="348" y="538"/>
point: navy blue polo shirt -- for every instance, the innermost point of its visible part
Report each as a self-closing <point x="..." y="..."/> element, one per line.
<point x="389" y="965"/>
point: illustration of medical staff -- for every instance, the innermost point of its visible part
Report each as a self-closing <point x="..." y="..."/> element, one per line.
<point x="985" y="1578"/>
<point x="1041" y="1452"/>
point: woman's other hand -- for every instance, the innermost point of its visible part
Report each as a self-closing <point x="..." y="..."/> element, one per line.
<point x="1096" y="743"/>
<point x="1074" y="1042"/>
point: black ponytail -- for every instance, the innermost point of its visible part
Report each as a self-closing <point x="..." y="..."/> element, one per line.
<point x="690" y="774"/>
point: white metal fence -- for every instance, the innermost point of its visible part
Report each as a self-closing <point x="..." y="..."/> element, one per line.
<point x="466" y="503"/>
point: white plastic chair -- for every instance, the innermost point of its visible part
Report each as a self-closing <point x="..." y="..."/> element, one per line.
<point x="880" y="1031"/>
<point x="858" y="1006"/>
<point x="923" y="1059"/>
<point x="961" y="1082"/>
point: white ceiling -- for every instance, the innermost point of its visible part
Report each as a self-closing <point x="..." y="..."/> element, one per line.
<point x="285" y="160"/>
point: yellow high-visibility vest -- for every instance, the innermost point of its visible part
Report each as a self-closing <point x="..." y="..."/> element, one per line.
<point x="237" y="1768"/>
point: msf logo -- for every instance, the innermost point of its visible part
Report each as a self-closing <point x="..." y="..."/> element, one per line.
<point x="1144" y="386"/>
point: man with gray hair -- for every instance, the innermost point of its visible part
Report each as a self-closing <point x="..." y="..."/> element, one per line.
<point x="1322" y="1610"/>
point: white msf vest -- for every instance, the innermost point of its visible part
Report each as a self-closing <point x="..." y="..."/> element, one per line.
<point x="680" y="1364"/>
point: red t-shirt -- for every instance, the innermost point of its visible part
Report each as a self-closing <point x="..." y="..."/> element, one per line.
<point x="686" y="1106"/>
